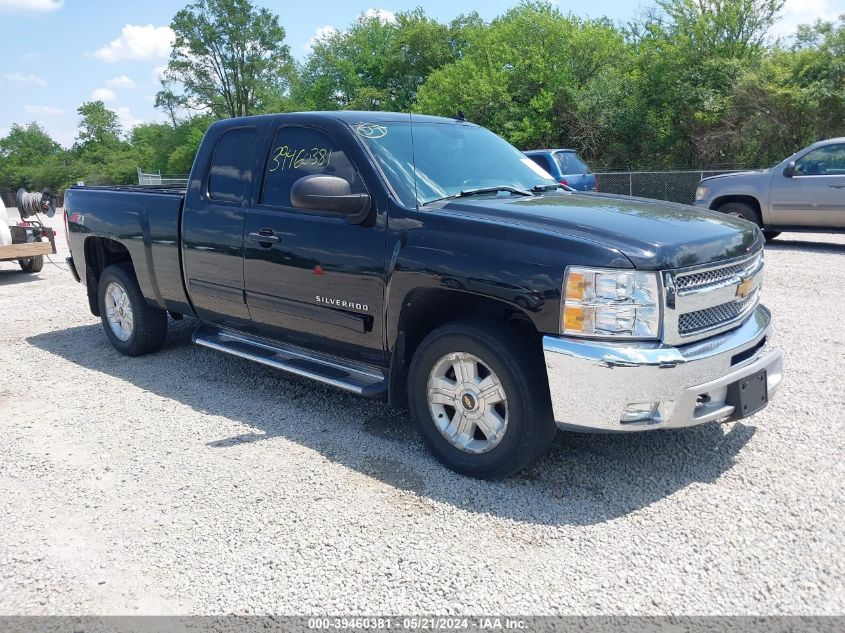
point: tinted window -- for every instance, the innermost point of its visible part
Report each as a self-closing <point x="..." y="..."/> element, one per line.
<point x="825" y="161"/>
<point x="570" y="163"/>
<point x="298" y="152"/>
<point x="231" y="167"/>
<point x="542" y="161"/>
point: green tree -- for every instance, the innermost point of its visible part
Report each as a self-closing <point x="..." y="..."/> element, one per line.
<point x="378" y="64"/>
<point x="100" y="154"/>
<point x="22" y="153"/>
<point x="538" y="77"/>
<point x="99" y="127"/>
<point x="225" y="55"/>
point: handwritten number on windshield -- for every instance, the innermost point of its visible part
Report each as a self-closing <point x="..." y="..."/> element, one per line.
<point x="285" y="157"/>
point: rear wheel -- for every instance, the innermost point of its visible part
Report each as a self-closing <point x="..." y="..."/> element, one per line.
<point x="32" y="264"/>
<point x="741" y="210"/>
<point x="133" y="326"/>
<point x="479" y="400"/>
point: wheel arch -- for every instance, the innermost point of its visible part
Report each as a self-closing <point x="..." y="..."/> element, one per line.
<point x="750" y="200"/>
<point x="100" y="253"/>
<point x="425" y="310"/>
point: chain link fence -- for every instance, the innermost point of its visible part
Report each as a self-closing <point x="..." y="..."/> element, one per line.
<point x="673" y="186"/>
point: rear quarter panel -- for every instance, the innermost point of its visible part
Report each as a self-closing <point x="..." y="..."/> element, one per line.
<point x="146" y="224"/>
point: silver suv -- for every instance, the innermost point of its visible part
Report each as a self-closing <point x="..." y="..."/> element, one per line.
<point x="806" y="192"/>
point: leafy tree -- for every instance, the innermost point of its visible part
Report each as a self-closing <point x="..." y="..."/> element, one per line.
<point x="225" y="53"/>
<point x="378" y="64"/>
<point x="99" y="127"/>
<point x="537" y="77"/>
<point x="22" y="152"/>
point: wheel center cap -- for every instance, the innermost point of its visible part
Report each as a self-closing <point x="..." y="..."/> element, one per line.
<point x="469" y="402"/>
<point x="120" y="311"/>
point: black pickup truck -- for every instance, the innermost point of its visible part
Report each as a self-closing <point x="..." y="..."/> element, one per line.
<point x="427" y="261"/>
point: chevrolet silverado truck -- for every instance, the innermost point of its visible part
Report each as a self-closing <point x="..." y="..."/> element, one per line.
<point x="804" y="193"/>
<point x="426" y="261"/>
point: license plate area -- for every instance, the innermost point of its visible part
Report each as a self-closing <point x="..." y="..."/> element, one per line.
<point x="749" y="395"/>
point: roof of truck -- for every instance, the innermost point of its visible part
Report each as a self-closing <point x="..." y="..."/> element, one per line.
<point x="356" y="116"/>
<point x="547" y="151"/>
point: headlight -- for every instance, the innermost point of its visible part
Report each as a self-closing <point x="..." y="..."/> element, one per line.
<point x="605" y="303"/>
<point x="701" y="193"/>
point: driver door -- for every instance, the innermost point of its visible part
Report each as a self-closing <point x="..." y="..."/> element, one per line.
<point x="814" y="196"/>
<point x="311" y="276"/>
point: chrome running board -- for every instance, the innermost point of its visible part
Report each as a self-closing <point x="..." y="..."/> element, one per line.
<point x="364" y="380"/>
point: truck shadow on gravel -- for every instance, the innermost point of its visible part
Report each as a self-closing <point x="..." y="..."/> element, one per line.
<point x="585" y="479"/>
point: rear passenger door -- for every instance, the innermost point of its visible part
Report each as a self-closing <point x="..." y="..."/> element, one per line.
<point x="212" y="228"/>
<point x="314" y="276"/>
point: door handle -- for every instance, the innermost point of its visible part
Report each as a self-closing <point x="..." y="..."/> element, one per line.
<point x="837" y="186"/>
<point x="264" y="237"/>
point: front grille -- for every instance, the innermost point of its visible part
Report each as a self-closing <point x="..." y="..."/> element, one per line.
<point x="717" y="316"/>
<point x="718" y="276"/>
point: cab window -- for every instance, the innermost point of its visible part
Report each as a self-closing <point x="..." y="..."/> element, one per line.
<point x="230" y="174"/>
<point x="297" y="152"/>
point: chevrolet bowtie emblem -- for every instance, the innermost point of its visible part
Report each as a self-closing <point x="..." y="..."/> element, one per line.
<point x="744" y="288"/>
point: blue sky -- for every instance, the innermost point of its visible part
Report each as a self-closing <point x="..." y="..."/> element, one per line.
<point x="60" y="53"/>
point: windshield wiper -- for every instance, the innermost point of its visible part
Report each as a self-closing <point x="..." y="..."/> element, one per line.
<point x="542" y="188"/>
<point x="481" y="190"/>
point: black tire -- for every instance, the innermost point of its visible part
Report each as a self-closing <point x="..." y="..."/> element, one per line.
<point x="745" y="211"/>
<point x="530" y="428"/>
<point x="149" y="329"/>
<point x="770" y="235"/>
<point x="32" y="264"/>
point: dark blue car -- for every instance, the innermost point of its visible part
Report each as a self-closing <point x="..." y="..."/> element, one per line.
<point x="566" y="167"/>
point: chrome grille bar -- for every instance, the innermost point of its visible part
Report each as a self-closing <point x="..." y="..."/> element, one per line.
<point x="711" y="299"/>
<point x="724" y="314"/>
<point x="717" y="276"/>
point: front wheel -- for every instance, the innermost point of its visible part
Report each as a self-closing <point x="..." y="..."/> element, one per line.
<point x="741" y="210"/>
<point x="479" y="397"/>
<point x="133" y="326"/>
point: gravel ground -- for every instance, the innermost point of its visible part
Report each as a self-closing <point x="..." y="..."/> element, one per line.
<point x="191" y="482"/>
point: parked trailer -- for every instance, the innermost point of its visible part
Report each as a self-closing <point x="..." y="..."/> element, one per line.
<point x="27" y="241"/>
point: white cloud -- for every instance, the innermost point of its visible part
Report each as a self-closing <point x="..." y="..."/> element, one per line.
<point x="4" y="131"/>
<point x="388" y="17"/>
<point x="127" y="119"/>
<point x="41" y="110"/>
<point x="25" y="79"/>
<point x="31" y="6"/>
<point x="158" y="73"/>
<point x="797" y="12"/>
<point x="138" y="42"/>
<point x="321" y="33"/>
<point x="103" y="94"/>
<point x="121" y="81"/>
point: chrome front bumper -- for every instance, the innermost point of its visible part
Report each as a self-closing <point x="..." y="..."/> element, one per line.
<point x="592" y="382"/>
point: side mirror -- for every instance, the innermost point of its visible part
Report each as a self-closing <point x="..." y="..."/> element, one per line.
<point x="319" y="192"/>
<point x="789" y="170"/>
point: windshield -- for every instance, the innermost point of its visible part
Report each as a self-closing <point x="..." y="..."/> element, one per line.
<point x="570" y="163"/>
<point x="450" y="158"/>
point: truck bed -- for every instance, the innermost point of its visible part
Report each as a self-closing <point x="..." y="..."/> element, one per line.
<point x="146" y="220"/>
